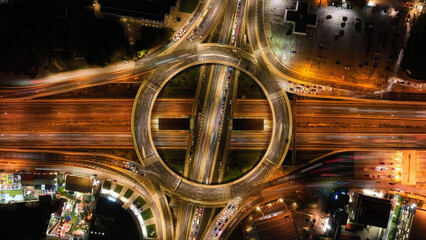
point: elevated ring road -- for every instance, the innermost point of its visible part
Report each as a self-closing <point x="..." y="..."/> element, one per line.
<point x="212" y="195"/>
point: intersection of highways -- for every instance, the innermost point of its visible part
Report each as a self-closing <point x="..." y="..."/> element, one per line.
<point x="32" y="127"/>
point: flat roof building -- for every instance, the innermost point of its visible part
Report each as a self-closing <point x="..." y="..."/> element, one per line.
<point x="371" y="211"/>
<point x="418" y="225"/>
<point x="278" y="227"/>
<point x="78" y="184"/>
<point x="301" y="18"/>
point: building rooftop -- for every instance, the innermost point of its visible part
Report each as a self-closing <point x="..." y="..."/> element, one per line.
<point x="301" y="17"/>
<point x="279" y="227"/>
<point x="418" y="226"/>
<point x="372" y="211"/>
<point x="79" y="184"/>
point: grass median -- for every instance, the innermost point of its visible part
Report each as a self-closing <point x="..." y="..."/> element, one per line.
<point x="147" y="214"/>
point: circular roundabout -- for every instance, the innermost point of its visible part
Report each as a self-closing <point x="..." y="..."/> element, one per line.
<point x="219" y="194"/>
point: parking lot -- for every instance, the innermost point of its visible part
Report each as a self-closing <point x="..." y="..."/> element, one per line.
<point x="356" y="45"/>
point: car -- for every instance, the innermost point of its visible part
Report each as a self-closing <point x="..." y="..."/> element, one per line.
<point x="328" y="17"/>
<point x="336" y="35"/>
<point x="382" y="163"/>
<point x="347" y="67"/>
<point x="344" y="18"/>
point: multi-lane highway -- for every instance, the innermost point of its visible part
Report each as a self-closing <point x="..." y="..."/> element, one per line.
<point x="99" y="115"/>
<point x="320" y="124"/>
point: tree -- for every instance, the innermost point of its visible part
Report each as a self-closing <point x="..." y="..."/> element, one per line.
<point x="141" y="53"/>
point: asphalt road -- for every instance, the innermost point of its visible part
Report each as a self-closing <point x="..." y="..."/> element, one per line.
<point x="204" y="193"/>
<point x="191" y="53"/>
<point x="344" y="166"/>
<point x="319" y="124"/>
<point x="98" y="115"/>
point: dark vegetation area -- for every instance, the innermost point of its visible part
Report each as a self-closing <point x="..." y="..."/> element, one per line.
<point x="54" y="36"/>
<point x="248" y="88"/>
<point x="183" y="85"/>
<point x="152" y="37"/>
<point x="240" y="161"/>
<point x="188" y="6"/>
<point x="415" y="53"/>
<point x="174" y="158"/>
